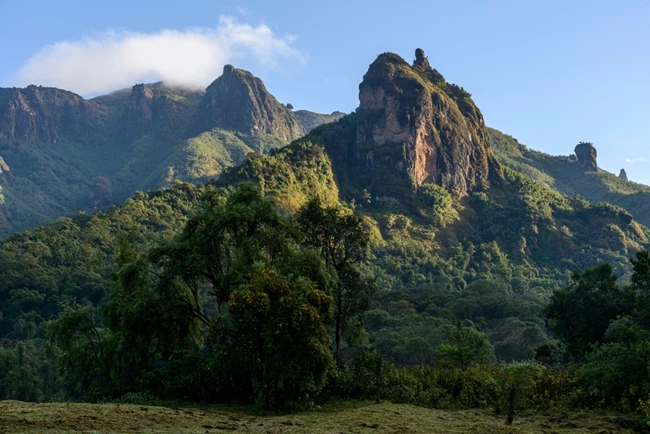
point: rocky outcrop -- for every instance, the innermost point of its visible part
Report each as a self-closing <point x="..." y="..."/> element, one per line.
<point x="239" y="101"/>
<point x="6" y="178"/>
<point x="623" y="175"/>
<point x="587" y="156"/>
<point x="42" y="114"/>
<point x="414" y="128"/>
<point x="157" y="107"/>
<point x="138" y="117"/>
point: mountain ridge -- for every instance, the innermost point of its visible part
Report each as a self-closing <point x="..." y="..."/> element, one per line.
<point x="59" y="146"/>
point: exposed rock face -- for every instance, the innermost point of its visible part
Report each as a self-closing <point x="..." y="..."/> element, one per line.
<point x="623" y="175"/>
<point x="414" y="128"/>
<point x="156" y="106"/>
<point x="587" y="156"/>
<point x="239" y="101"/>
<point x="42" y="114"/>
<point x="6" y="177"/>
<point x="100" y="192"/>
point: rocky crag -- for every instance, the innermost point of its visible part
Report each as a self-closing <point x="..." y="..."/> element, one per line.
<point x="239" y="101"/>
<point x="623" y="175"/>
<point x="413" y="128"/>
<point x="587" y="156"/>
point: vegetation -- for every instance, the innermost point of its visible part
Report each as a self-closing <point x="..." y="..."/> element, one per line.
<point x="136" y="139"/>
<point x="291" y="283"/>
<point x="567" y="176"/>
<point x="361" y="417"/>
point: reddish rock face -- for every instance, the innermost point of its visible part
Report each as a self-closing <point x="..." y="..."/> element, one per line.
<point x="415" y="123"/>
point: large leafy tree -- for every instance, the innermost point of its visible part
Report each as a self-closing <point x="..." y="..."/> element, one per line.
<point x="580" y="313"/>
<point x="342" y="241"/>
<point x="234" y="287"/>
<point x="640" y="283"/>
<point x="275" y="332"/>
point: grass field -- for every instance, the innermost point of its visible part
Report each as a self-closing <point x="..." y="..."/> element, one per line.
<point x="21" y="417"/>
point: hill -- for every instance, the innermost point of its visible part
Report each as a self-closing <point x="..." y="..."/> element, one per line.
<point x="456" y="257"/>
<point x="568" y="175"/>
<point x="61" y="153"/>
<point x="473" y="235"/>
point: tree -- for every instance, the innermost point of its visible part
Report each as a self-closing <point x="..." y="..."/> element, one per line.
<point x="268" y="336"/>
<point x="340" y="238"/>
<point x="518" y="386"/>
<point x="276" y="331"/>
<point x="222" y="241"/>
<point x="580" y="314"/>
<point x="640" y="283"/>
<point x="465" y="346"/>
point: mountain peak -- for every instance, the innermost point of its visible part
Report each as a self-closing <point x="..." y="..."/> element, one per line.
<point x="587" y="156"/>
<point x="623" y="175"/>
<point x="239" y="101"/>
<point x="420" y="129"/>
<point x="45" y="114"/>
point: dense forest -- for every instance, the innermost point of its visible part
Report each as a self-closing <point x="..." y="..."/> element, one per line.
<point x="403" y="252"/>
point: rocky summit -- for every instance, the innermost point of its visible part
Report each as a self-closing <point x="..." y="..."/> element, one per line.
<point x="239" y="101"/>
<point x="43" y="114"/>
<point x="623" y="175"/>
<point x="416" y="126"/>
<point x="587" y="156"/>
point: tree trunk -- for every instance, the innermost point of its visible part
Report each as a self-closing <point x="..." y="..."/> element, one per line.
<point x="337" y="325"/>
<point x="511" y="406"/>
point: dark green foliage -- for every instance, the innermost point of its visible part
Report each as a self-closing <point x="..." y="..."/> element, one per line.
<point x="234" y="289"/>
<point x="342" y="241"/>
<point x="275" y="333"/>
<point x="581" y="313"/>
<point x="28" y="371"/>
<point x="73" y="259"/>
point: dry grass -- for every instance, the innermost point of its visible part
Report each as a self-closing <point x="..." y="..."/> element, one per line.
<point x="20" y="417"/>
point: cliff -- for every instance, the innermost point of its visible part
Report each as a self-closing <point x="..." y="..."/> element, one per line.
<point x="239" y="101"/>
<point x="156" y="107"/>
<point x="42" y="114"/>
<point x="415" y="128"/>
<point x="310" y="120"/>
<point x="623" y="175"/>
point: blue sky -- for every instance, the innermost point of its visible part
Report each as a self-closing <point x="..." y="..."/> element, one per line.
<point x="550" y="73"/>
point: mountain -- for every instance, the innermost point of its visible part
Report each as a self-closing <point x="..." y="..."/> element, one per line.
<point x="411" y="119"/>
<point x="239" y="101"/>
<point x="65" y="154"/>
<point x="457" y="235"/>
<point x="576" y="174"/>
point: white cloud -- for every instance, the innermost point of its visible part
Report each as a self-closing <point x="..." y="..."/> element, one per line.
<point x="635" y="160"/>
<point x="191" y="57"/>
<point x="242" y="11"/>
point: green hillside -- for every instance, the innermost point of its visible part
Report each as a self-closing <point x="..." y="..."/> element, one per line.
<point x="62" y="154"/>
<point x="565" y="175"/>
<point x="403" y="252"/>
